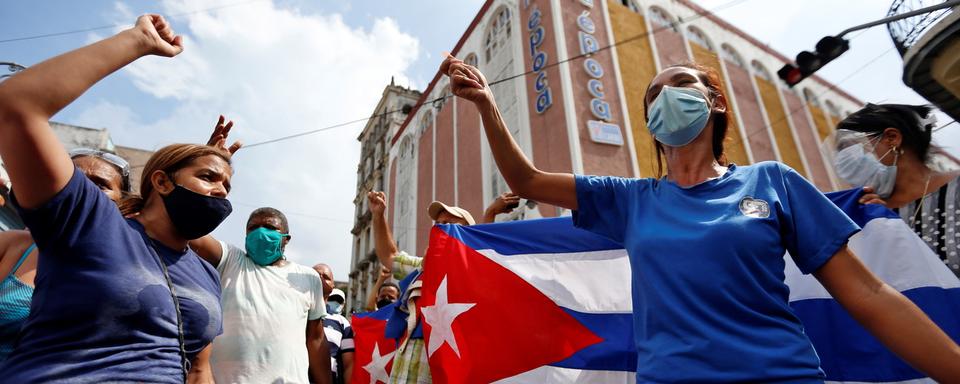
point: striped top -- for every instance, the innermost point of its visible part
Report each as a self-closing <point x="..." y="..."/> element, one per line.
<point x="938" y="222"/>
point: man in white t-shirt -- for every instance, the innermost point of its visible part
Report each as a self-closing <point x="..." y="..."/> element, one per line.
<point x="273" y="309"/>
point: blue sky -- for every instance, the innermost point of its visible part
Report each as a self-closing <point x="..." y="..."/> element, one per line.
<point x="286" y="66"/>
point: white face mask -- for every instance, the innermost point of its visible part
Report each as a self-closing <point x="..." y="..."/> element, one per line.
<point x="860" y="167"/>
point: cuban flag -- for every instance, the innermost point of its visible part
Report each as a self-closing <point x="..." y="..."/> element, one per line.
<point x="541" y="301"/>
<point x="373" y="350"/>
<point x="848" y="353"/>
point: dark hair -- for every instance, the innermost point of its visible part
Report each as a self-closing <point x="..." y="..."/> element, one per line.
<point x="388" y="284"/>
<point x="721" y="120"/>
<point x="169" y="159"/>
<point x="270" y="212"/>
<point x="873" y="119"/>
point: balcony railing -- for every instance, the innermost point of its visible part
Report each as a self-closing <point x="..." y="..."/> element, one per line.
<point x="906" y="32"/>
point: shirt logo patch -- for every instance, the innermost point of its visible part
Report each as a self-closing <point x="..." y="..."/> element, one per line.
<point x="756" y="208"/>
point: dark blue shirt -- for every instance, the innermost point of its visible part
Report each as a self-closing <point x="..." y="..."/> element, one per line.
<point x="102" y="310"/>
<point x="709" y="298"/>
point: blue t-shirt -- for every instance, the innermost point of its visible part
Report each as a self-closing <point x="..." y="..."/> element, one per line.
<point x="709" y="300"/>
<point x="102" y="310"/>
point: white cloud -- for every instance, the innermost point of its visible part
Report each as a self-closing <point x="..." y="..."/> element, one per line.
<point x="275" y="72"/>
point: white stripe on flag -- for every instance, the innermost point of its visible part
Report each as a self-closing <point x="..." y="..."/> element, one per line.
<point x="891" y="251"/>
<point x="589" y="282"/>
<point x="549" y="374"/>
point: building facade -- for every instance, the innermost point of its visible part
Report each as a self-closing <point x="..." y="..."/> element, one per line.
<point x="579" y="108"/>
<point x="395" y="103"/>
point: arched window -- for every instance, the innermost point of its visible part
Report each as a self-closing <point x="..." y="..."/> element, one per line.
<point x="661" y="18"/>
<point x="442" y="98"/>
<point x="832" y="109"/>
<point x="760" y="70"/>
<point x="471" y="59"/>
<point x="498" y="33"/>
<point x="425" y="121"/>
<point x="697" y="36"/>
<point x="811" y="98"/>
<point x="728" y="53"/>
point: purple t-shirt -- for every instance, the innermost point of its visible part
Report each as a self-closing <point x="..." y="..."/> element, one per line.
<point x="102" y="310"/>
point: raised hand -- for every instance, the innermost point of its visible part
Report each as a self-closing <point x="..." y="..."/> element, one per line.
<point x="377" y="201"/>
<point x="158" y="36"/>
<point x="466" y="81"/>
<point x="870" y="197"/>
<point x="219" y="136"/>
<point x="505" y="203"/>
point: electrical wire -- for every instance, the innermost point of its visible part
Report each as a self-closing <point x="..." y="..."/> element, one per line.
<point x="417" y="106"/>
<point x="173" y="16"/>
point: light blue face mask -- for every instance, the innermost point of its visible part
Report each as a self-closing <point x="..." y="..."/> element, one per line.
<point x="265" y="246"/>
<point x="678" y="115"/>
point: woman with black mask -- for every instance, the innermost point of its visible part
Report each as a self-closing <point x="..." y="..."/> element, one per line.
<point x="116" y="300"/>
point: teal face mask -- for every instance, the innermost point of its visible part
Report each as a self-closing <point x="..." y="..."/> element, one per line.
<point x="265" y="246"/>
<point x="678" y="115"/>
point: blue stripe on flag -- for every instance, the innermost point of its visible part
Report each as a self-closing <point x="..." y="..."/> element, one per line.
<point x="849" y="202"/>
<point x="615" y="353"/>
<point x="854" y="354"/>
<point x="557" y="235"/>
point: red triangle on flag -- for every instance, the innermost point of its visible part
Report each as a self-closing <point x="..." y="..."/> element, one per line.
<point x="488" y="323"/>
<point x="373" y="352"/>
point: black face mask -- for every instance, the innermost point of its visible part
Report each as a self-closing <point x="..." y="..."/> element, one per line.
<point x="384" y="302"/>
<point x="195" y="215"/>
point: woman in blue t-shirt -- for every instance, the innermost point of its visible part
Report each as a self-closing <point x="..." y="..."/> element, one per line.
<point x="116" y="300"/>
<point x="706" y="245"/>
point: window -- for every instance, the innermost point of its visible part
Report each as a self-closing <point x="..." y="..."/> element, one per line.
<point x="834" y="111"/>
<point x="498" y="33"/>
<point x="728" y="53"/>
<point x="698" y="37"/>
<point x="811" y="98"/>
<point x="761" y="71"/>
<point x="661" y="18"/>
<point x="471" y="59"/>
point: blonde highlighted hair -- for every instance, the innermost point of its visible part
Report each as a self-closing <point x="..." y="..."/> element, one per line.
<point x="169" y="159"/>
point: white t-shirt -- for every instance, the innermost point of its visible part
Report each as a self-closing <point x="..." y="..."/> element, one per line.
<point x="265" y="314"/>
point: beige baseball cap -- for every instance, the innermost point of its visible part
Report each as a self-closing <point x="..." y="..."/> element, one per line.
<point x="436" y="207"/>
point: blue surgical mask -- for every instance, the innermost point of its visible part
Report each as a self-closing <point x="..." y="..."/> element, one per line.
<point x="678" y="115"/>
<point x="265" y="246"/>
<point x="334" y="307"/>
<point x="860" y="167"/>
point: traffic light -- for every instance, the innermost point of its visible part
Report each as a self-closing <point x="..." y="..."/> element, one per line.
<point x="827" y="49"/>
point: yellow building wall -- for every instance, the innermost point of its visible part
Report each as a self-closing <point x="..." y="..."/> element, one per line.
<point x="789" y="152"/>
<point x="734" y="146"/>
<point x="637" y="69"/>
<point x="824" y="127"/>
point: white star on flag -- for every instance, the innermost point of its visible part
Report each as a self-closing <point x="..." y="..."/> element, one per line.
<point x="378" y="366"/>
<point x="440" y="316"/>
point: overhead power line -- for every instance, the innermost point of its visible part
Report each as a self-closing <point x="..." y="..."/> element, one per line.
<point x="416" y="107"/>
<point x="111" y="26"/>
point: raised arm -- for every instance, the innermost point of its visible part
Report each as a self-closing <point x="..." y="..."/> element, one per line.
<point x="383" y="237"/>
<point x="372" y="296"/>
<point x="37" y="162"/>
<point x="891" y="317"/>
<point x="523" y="178"/>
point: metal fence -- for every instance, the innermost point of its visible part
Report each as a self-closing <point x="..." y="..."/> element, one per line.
<point x="905" y="33"/>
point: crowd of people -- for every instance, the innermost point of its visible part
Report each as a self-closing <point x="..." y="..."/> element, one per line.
<point x="109" y="284"/>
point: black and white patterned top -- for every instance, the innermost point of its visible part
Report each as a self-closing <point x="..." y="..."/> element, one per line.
<point x="938" y="222"/>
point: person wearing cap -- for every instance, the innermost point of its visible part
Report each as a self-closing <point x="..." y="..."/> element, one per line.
<point x="888" y="150"/>
<point x="336" y="327"/>
<point x="18" y="252"/>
